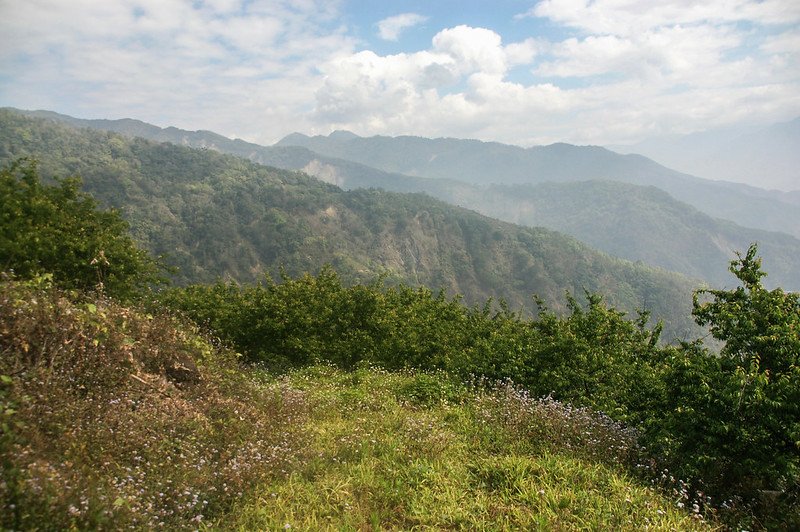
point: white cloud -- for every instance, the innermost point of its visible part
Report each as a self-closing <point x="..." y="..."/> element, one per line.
<point x="239" y="67"/>
<point x="390" y="28"/>
<point x="626" y="17"/>
<point x="472" y="49"/>
<point x="633" y="68"/>
<point x="455" y="88"/>
<point x="669" y="54"/>
<point x="260" y="69"/>
<point x="783" y="43"/>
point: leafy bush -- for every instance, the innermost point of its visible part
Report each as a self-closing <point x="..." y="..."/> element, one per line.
<point x="59" y="230"/>
<point x="733" y="421"/>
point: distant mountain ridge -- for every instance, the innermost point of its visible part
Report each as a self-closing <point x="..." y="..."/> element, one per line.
<point x="769" y="155"/>
<point x="487" y="163"/>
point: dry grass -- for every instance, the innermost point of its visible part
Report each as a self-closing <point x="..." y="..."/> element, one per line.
<point x="116" y="418"/>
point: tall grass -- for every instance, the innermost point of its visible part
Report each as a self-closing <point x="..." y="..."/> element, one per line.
<point x="386" y="455"/>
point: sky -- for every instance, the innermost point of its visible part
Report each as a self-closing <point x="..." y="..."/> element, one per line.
<point x="519" y="72"/>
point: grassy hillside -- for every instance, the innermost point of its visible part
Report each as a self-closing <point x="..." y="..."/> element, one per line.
<point x="219" y="216"/>
<point x="113" y="418"/>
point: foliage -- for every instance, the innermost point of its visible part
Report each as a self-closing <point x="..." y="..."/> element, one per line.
<point x="215" y="216"/>
<point x="72" y="370"/>
<point x="315" y="318"/>
<point x="59" y="230"/>
<point x="720" y="423"/>
<point x="592" y="357"/>
<point x="597" y="357"/>
<point x="735" y="419"/>
<point x="118" y="419"/>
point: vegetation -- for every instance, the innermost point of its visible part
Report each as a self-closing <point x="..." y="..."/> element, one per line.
<point x="473" y="161"/>
<point x="727" y="425"/>
<point x="329" y="405"/>
<point x="630" y="218"/>
<point x="215" y="216"/>
<point x="386" y="454"/>
<point x="113" y="418"/>
<point x="58" y="230"/>
<point x="592" y="357"/>
<point x="739" y="414"/>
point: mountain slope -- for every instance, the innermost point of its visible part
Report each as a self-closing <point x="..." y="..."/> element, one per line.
<point x="628" y="221"/>
<point x="481" y="162"/>
<point x="641" y="224"/>
<point x="485" y="163"/>
<point x="219" y="216"/>
<point x="632" y="222"/>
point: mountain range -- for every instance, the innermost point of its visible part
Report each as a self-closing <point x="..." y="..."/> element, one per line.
<point x="767" y="155"/>
<point x="219" y="216"/>
<point x="485" y="163"/>
<point x="623" y="205"/>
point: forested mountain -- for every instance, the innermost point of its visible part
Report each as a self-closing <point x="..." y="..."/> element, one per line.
<point x="216" y="215"/>
<point x="484" y="163"/>
<point x="481" y="163"/>
<point x="640" y="224"/>
<point x="632" y="222"/>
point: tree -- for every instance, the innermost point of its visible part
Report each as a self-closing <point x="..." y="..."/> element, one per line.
<point x="736" y="417"/>
<point x="59" y="230"/>
<point x="760" y="328"/>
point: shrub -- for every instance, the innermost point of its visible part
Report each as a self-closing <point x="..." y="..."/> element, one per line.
<point x="59" y="230"/>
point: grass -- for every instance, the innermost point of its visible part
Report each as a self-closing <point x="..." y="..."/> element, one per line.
<point x="379" y="458"/>
<point x="112" y="418"/>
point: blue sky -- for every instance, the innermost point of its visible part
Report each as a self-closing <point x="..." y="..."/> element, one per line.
<point x="515" y="71"/>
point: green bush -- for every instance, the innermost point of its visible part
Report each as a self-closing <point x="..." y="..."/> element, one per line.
<point x="733" y="421"/>
<point x="59" y="230"/>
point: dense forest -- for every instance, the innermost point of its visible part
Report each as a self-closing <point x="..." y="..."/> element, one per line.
<point x="215" y="216"/>
<point x="614" y="204"/>
<point x="395" y="403"/>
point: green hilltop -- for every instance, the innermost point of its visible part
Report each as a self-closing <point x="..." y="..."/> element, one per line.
<point x="154" y="427"/>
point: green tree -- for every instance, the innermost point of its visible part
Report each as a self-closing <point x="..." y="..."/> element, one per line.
<point x="735" y="419"/>
<point x="59" y="230"/>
